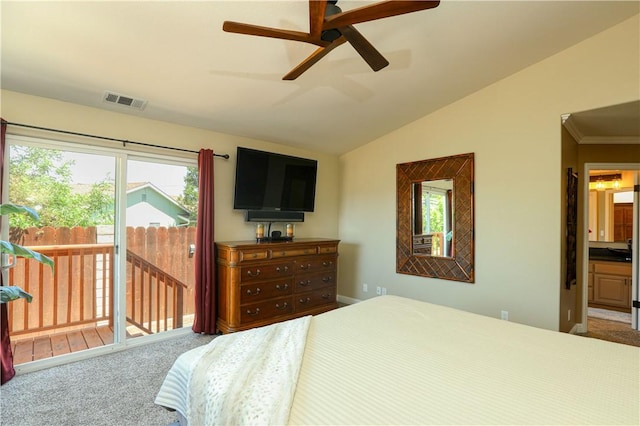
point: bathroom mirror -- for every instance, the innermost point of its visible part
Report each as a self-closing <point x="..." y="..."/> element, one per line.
<point x="611" y="215"/>
<point x="434" y="232"/>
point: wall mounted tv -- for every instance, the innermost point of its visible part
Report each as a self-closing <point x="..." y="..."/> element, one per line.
<point x="274" y="182"/>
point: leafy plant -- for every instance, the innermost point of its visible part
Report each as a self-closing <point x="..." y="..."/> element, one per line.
<point x="9" y="293"/>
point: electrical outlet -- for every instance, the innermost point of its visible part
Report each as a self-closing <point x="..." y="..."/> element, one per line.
<point x="504" y="315"/>
<point x="384" y="290"/>
<point x="365" y="287"/>
<point x="378" y="291"/>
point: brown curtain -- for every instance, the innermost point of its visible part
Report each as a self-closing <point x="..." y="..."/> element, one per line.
<point x="5" y="349"/>
<point x="205" y="286"/>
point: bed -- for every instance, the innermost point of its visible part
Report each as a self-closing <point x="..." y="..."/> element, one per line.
<point x="393" y="360"/>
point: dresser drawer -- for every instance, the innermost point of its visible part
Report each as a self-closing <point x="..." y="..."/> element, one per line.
<point x="269" y="309"/>
<point x="255" y="292"/>
<point x="266" y="271"/>
<point x="316" y="264"/>
<point x="314" y="299"/>
<point x="248" y="255"/>
<point x="327" y="249"/>
<point x="315" y="281"/>
<point x="288" y="252"/>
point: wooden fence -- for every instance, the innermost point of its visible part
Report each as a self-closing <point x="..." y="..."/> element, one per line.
<point x="160" y="278"/>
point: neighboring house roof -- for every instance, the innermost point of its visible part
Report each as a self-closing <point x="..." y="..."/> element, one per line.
<point x="162" y="203"/>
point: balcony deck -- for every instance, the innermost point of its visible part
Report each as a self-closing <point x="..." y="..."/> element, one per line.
<point x="72" y="307"/>
<point x="32" y="348"/>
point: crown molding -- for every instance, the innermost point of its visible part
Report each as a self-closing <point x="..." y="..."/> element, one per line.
<point x="567" y="122"/>
<point x="581" y="139"/>
<point x="610" y="140"/>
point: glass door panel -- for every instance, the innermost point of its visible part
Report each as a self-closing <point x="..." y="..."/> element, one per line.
<point x="73" y="192"/>
<point x="161" y="206"/>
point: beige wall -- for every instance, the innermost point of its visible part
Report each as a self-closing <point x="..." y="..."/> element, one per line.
<point x="514" y="128"/>
<point x="230" y="224"/>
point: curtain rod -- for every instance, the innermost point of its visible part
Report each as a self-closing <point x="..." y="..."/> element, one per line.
<point x="124" y="141"/>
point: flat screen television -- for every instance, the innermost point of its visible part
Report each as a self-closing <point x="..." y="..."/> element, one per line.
<point x="276" y="182"/>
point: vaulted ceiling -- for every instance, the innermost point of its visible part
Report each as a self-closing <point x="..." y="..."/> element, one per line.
<point x="175" y="59"/>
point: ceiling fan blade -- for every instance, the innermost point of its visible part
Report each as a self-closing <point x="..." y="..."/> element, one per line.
<point x="375" y="11"/>
<point x="313" y="58"/>
<point x="369" y="53"/>
<point x="256" y="30"/>
<point x="316" y="17"/>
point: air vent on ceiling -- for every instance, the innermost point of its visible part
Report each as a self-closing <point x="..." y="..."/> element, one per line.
<point x="126" y="101"/>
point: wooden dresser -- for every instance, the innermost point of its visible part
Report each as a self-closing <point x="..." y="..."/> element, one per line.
<point x="262" y="283"/>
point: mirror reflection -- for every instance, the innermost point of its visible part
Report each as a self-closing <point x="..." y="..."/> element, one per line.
<point x="610" y="205"/>
<point x="433" y="218"/>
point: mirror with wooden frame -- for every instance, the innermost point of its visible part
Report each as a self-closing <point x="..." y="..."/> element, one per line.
<point x="435" y="229"/>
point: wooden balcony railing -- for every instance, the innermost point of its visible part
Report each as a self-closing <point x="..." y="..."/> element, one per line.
<point x="154" y="297"/>
<point x="79" y="292"/>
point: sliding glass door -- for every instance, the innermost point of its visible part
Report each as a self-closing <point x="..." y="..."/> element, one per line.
<point x="121" y="232"/>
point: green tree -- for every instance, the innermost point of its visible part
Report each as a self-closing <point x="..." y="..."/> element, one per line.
<point x="41" y="178"/>
<point x="189" y="197"/>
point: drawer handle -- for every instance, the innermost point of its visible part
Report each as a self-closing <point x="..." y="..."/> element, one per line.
<point x="251" y="293"/>
<point x="254" y="313"/>
<point x="307" y="300"/>
<point x="329" y="263"/>
<point x="252" y="274"/>
<point x="305" y="283"/>
<point x="283" y="287"/>
<point x="307" y="266"/>
<point x="285" y="269"/>
<point x="326" y="296"/>
<point x="327" y="279"/>
<point x="284" y="306"/>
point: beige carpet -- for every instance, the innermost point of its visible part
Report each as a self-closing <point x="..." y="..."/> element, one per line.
<point x="114" y="389"/>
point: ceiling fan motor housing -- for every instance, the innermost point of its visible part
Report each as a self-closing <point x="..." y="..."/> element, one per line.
<point x="334" y="33"/>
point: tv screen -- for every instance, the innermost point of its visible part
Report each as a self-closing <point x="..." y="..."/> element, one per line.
<point x="269" y="181"/>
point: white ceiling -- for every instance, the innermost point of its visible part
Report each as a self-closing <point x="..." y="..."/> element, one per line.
<point x="175" y="55"/>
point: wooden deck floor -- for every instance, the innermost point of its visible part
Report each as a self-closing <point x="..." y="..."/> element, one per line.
<point x="34" y="348"/>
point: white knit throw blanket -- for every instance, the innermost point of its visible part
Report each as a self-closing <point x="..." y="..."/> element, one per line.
<point x="245" y="378"/>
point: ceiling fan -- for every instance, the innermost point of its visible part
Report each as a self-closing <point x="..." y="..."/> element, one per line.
<point x="329" y="27"/>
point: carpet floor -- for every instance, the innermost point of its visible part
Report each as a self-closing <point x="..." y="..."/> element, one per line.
<point x="611" y="326"/>
<point x="114" y="389"/>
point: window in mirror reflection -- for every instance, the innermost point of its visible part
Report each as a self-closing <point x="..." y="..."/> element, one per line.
<point x="433" y="233"/>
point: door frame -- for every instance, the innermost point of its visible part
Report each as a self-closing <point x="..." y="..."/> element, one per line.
<point x="635" y="261"/>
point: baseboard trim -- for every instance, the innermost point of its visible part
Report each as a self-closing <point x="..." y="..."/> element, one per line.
<point x="347" y="300"/>
<point x="578" y="328"/>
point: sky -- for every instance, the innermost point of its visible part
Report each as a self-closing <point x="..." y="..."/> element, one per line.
<point x="89" y="168"/>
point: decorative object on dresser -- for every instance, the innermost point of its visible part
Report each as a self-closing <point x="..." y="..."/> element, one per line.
<point x="260" y="283"/>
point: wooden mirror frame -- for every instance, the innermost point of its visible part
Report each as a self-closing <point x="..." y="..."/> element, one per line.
<point x="459" y="267"/>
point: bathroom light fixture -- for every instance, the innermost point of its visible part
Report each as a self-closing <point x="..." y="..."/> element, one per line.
<point x="602" y="182"/>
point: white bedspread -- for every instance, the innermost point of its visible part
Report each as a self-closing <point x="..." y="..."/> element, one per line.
<point x="396" y="361"/>
<point x="245" y="378"/>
